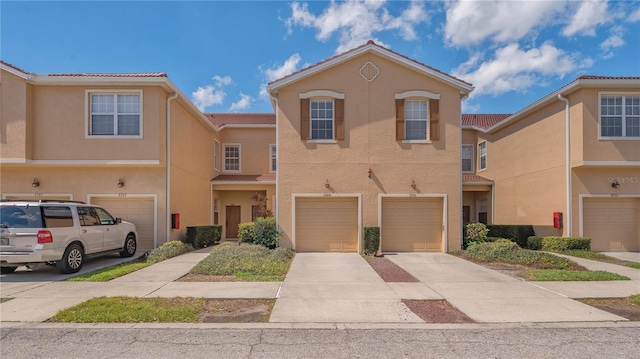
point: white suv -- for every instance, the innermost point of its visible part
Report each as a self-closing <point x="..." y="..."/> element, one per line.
<point x="59" y="233"/>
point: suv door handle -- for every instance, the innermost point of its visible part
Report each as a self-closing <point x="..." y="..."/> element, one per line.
<point x="84" y="231"/>
<point x="106" y="229"/>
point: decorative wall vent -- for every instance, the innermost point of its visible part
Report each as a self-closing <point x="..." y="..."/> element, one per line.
<point x="369" y="71"/>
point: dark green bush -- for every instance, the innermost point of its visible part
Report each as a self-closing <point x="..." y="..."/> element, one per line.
<point x="203" y="236"/>
<point x="515" y="233"/>
<point x="266" y="232"/>
<point x="168" y="250"/>
<point x="371" y="240"/>
<point x="534" y="242"/>
<point x="509" y="252"/>
<point x="555" y="244"/>
<point x="246" y="232"/>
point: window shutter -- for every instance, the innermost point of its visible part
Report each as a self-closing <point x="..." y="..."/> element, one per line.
<point x="304" y="119"/>
<point x="434" y="119"/>
<point x="339" y="119"/>
<point x="400" y="120"/>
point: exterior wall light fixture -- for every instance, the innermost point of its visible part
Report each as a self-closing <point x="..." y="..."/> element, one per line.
<point x="326" y="184"/>
<point x="35" y="183"/>
<point x="369" y="172"/>
<point x="120" y="183"/>
<point x="413" y="184"/>
<point x="615" y="184"/>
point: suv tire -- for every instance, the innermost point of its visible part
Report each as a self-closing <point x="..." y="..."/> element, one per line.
<point x="72" y="260"/>
<point x="7" y="270"/>
<point x="130" y="246"/>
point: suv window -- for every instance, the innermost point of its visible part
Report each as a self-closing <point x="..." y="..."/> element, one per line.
<point x="55" y="217"/>
<point x="88" y="216"/>
<point x="20" y="216"/>
<point x="105" y="217"/>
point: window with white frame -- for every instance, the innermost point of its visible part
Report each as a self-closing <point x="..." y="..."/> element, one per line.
<point x="620" y="116"/>
<point x="232" y="158"/>
<point x="467" y="158"/>
<point x="416" y="121"/>
<point x="216" y="155"/>
<point x="482" y="149"/>
<point x="273" y="162"/>
<point x="115" y="114"/>
<point x="322" y="119"/>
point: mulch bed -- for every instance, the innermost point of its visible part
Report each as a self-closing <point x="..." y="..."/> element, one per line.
<point x="389" y="271"/>
<point x="207" y="278"/>
<point x="236" y="311"/>
<point x="436" y="311"/>
<point x="618" y="306"/>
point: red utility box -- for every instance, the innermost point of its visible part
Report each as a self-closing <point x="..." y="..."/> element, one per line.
<point x="175" y="220"/>
<point x="557" y="219"/>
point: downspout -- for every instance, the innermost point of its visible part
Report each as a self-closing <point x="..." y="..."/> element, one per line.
<point x="277" y="204"/>
<point x="567" y="163"/>
<point x="168" y="166"/>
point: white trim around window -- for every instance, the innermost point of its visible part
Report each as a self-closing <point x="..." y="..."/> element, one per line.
<point x="114" y="107"/>
<point x="627" y="111"/>
<point x="417" y="93"/>
<point x="470" y="158"/>
<point x="216" y="155"/>
<point x="321" y="93"/>
<point x="273" y="158"/>
<point x="322" y="120"/>
<point x="482" y="154"/>
<point x="232" y="158"/>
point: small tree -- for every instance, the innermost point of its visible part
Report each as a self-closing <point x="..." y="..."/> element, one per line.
<point x="261" y="200"/>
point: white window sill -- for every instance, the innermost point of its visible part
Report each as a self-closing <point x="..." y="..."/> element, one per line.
<point x="235" y="172"/>
<point x="322" y="141"/>
<point x="482" y="169"/>
<point x="417" y="141"/>
<point x="620" y="138"/>
<point x="120" y="137"/>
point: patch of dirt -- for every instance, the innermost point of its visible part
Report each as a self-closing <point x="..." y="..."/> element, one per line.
<point x="618" y="306"/>
<point x="512" y="270"/>
<point x="236" y="311"/>
<point x="437" y="311"/>
<point x="207" y="278"/>
<point x="389" y="271"/>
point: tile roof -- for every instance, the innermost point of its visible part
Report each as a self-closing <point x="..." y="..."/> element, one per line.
<point x="270" y="177"/>
<point x="222" y="119"/>
<point x="135" y="74"/>
<point x="483" y="120"/>
<point x="14" y="67"/>
<point x="468" y="178"/>
<point x="370" y="42"/>
<point x="592" y="77"/>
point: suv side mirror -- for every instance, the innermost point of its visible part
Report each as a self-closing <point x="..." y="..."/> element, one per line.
<point x="118" y="220"/>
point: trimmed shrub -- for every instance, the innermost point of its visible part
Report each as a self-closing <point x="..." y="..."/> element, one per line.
<point x="509" y="252"/>
<point x="555" y="244"/>
<point x="474" y="233"/>
<point x="371" y="240"/>
<point x="266" y="232"/>
<point x="534" y="242"/>
<point x="168" y="250"/>
<point x="515" y="233"/>
<point x="203" y="236"/>
<point x="246" y="232"/>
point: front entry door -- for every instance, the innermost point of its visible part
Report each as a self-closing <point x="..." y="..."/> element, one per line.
<point x="233" y="220"/>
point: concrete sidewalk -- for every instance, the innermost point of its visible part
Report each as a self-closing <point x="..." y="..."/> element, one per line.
<point x="340" y="288"/>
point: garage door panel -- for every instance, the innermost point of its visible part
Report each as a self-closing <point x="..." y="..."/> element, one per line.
<point x="139" y="211"/>
<point x="612" y="224"/>
<point x="326" y="225"/>
<point x="412" y="224"/>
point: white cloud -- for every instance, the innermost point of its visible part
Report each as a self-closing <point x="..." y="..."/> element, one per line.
<point x="589" y="15"/>
<point x="357" y="21"/>
<point x="614" y="40"/>
<point x="515" y="69"/>
<point x="211" y="95"/>
<point x="288" y="67"/>
<point x="634" y="16"/>
<point x="471" y="22"/>
<point x="241" y="104"/>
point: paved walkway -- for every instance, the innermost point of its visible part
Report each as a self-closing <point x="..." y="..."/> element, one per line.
<point x="343" y="288"/>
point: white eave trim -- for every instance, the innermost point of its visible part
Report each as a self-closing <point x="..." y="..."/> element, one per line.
<point x="246" y="126"/>
<point x="273" y="88"/>
<point x="611" y="163"/>
<point x="564" y="91"/>
<point x="16" y="72"/>
<point x="252" y="183"/>
<point x="80" y="162"/>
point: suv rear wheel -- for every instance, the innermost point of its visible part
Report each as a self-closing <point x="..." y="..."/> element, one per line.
<point x="129" y="246"/>
<point x="72" y="260"/>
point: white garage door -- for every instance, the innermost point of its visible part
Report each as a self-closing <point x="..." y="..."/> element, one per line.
<point x="139" y="211"/>
<point x="412" y="224"/>
<point x="326" y="224"/>
<point x="612" y="224"/>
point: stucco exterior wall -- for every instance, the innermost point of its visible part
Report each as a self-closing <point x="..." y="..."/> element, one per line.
<point x="369" y="120"/>
<point x="68" y="106"/>
<point x="13" y="116"/>
<point x="254" y="148"/>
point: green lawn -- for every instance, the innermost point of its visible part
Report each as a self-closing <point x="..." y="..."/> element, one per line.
<point x="570" y="275"/>
<point x="246" y="262"/>
<point x="109" y="273"/>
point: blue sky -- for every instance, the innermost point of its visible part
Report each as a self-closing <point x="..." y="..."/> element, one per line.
<point x="222" y="53"/>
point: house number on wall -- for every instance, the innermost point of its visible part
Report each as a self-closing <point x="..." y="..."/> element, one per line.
<point x="122" y="194"/>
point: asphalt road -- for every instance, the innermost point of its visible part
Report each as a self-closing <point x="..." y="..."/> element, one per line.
<point x="473" y="341"/>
